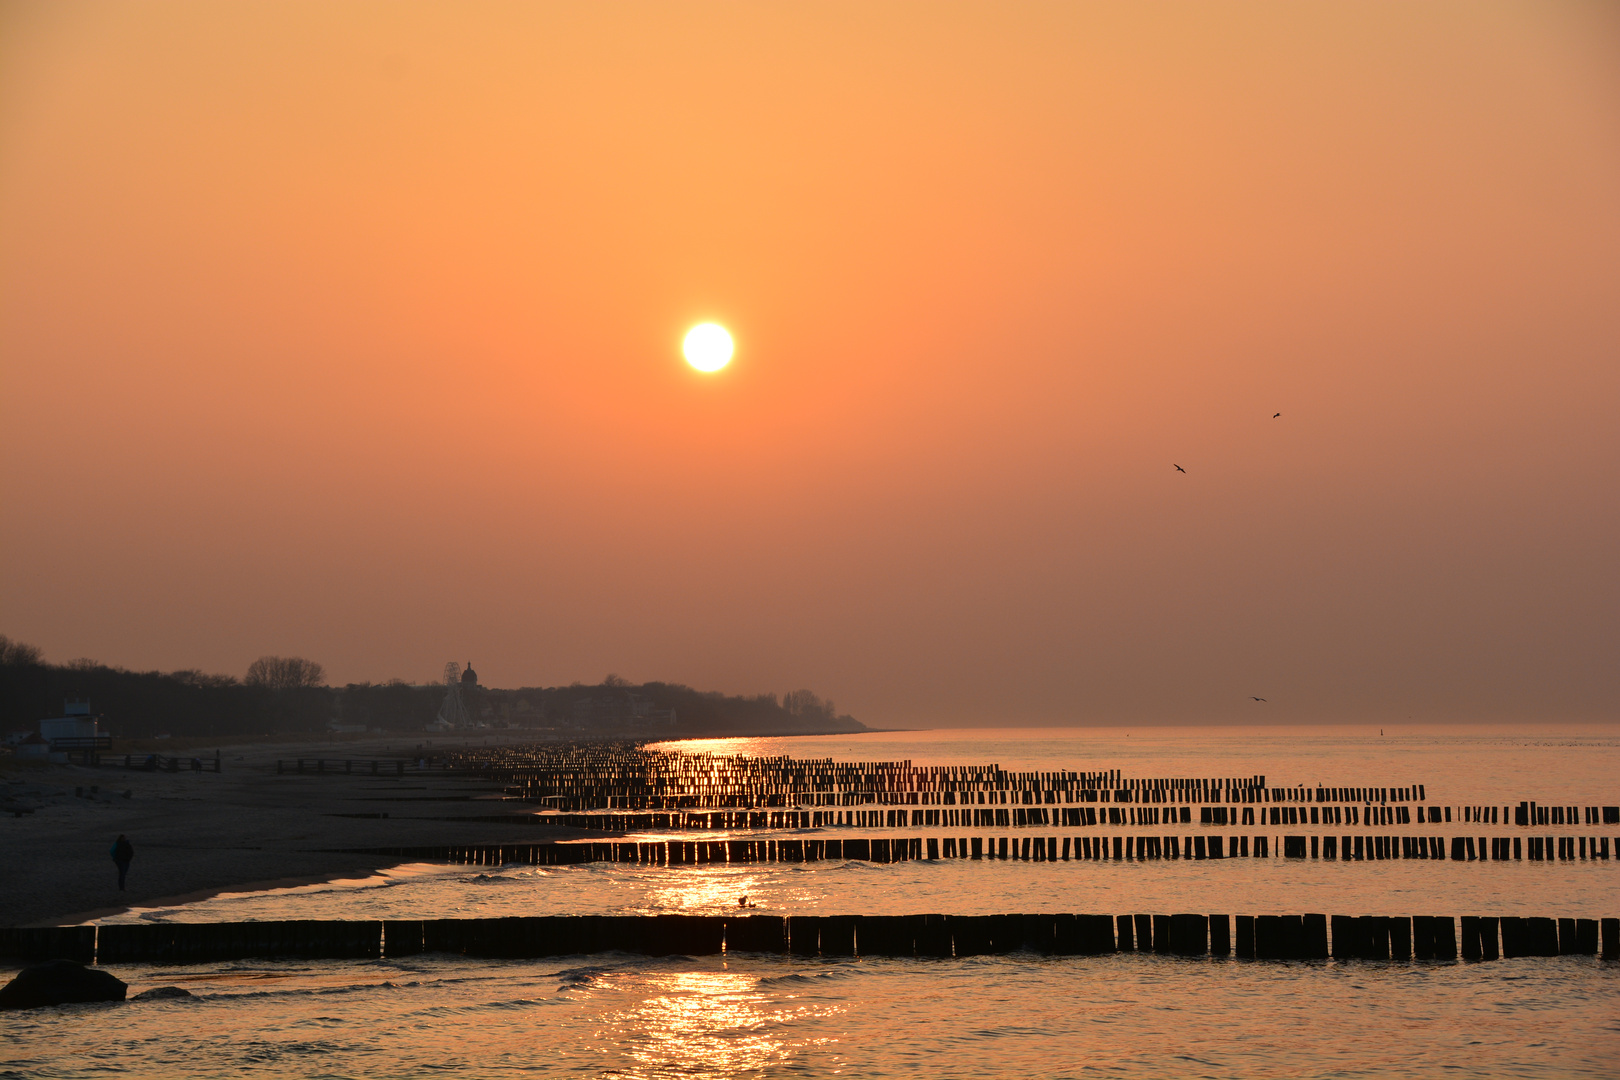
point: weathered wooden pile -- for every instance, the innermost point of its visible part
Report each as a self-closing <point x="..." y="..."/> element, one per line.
<point x="343" y="766"/>
<point x="627" y="787"/>
<point x="159" y="762"/>
<point x="585" y="776"/>
<point x="1026" y="848"/>
<point x="1264" y="937"/>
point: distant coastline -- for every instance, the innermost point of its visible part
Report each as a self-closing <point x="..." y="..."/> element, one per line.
<point x="288" y="696"/>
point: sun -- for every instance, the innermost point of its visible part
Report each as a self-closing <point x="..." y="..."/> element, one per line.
<point x="707" y="347"/>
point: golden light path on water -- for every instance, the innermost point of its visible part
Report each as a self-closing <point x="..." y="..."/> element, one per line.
<point x="698" y="1023"/>
<point x="705" y="1023"/>
<point x="707" y="892"/>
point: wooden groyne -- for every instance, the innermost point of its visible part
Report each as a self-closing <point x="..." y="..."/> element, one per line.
<point x="349" y="766"/>
<point x="587" y="776"/>
<point x="1257" y="937"/>
<point x="735" y="792"/>
<point x="627" y="787"/>
<point x="1026" y="848"/>
<point x="1019" y="817"/>
<point x="160" y="762"/>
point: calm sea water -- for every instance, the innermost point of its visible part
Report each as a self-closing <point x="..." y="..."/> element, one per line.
<point x="1123" y="1015"/>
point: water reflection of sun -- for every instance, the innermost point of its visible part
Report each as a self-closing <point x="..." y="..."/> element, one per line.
<point x="714" y="891"/>
<point x="706" y="1023"/>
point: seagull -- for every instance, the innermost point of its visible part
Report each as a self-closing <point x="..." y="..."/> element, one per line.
<point x="1275" y="415"/>
<point x="1178" y="468"/>
<point x="1258" y="698"/>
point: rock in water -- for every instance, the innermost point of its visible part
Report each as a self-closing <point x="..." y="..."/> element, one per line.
<point x="162" y="992"/>
<point x="60" y="982"/>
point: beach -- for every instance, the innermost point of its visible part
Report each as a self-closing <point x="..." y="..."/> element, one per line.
<point x="243" y="829"/>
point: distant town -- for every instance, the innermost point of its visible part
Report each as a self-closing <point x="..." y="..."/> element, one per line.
<point x="59" y="708"/>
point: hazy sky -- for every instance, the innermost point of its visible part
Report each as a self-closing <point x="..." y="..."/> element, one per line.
<point x="352" y="331"/>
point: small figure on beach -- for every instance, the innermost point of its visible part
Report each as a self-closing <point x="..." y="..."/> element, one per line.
<point x="122" y="852"/>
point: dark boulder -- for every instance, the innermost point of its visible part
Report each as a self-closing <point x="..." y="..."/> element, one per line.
<point x="60" y="982"/>
<point x="161" y="992"/>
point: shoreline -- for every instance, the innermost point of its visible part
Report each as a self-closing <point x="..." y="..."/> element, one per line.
<point x="79" y="918"/>
<point x="246" y="829"/>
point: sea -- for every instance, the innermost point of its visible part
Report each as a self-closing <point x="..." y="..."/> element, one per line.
<point x="1019" y="1015"/>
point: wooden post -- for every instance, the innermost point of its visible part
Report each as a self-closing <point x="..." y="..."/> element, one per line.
<point x="1189" y="935"/>
<point x="1402" y="938"/>
<point x="1246" y="936"/>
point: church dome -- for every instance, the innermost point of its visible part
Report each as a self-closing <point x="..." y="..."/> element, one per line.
<point x="468" y="675"/>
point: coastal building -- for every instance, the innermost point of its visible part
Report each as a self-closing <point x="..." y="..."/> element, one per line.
<point x="461" y="699"/>
<point x="76" y="729"/>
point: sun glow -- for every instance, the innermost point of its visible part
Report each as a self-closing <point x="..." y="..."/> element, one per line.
<point x="707" y="347"/>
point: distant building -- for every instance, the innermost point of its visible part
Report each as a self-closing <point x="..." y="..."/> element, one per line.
<point x="76" y="729"/>
<point x="460" y="706"/>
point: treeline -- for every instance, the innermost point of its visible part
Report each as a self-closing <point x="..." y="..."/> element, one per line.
<point x="137" y="704"/>
<point x="288" y="695"/>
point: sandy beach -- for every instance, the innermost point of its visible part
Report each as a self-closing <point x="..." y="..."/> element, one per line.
<point x="244" y="828"/>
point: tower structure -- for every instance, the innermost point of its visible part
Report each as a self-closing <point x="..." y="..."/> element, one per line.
<point x="454" y="712"/>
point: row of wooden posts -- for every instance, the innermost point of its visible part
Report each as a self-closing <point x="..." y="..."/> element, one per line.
<point x="583" y="776"/>
<point x="1264" y="937"/>
<point x="586" y="776"/>
<point x="162" y="763"/>
<point x="1024" y="817"/>
<point x="344" y="766"/>
<point x="1033" y="849"/>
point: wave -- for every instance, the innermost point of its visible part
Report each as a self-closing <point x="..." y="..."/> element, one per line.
<point x="830" y="975"/>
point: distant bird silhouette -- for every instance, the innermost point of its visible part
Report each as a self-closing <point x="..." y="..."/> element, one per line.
<point x="1275" y="415"/>
<point x="1178" y="467"/>
<point x="1258" y="698"/>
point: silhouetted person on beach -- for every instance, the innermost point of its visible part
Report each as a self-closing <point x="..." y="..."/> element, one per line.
<point x="122" y="852"/>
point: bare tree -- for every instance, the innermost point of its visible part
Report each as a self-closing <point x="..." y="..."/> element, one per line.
<point x="806" y="703"/>
<point x="193" y="677"/>
<point x="19" y="654"/>
<point x="285" y="673"/>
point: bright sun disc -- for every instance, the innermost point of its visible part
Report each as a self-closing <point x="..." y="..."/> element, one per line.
<point x="707" y="347"/>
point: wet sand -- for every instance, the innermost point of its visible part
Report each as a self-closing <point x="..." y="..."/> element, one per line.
<point x="245" y="828"/>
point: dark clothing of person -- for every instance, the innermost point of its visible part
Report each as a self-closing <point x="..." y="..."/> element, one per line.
<point x="122" y="852"/>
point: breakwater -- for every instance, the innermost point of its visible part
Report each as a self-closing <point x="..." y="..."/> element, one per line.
<point x="1020" y="848"/>
<point x="1527" y="815"/>
<point x="1262" y="937"/>
<point x="621" y="776"/>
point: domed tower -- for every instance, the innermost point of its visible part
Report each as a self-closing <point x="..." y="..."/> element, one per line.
<point x="472" y="696"/>
<point x="460" y="708"/>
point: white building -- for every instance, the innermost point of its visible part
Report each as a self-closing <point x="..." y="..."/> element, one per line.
<point x="75" y="729"/>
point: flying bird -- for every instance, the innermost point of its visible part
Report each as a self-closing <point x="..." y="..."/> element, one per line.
<point x="1178" y="467"/>
<point x="1275" y="415"/>
<point x="1258" y="698"/>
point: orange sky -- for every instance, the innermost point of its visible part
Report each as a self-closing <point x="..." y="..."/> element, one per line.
<point x="352" y="331"/>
